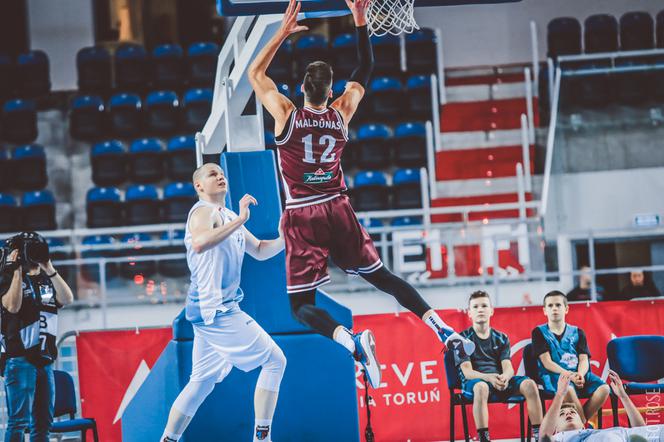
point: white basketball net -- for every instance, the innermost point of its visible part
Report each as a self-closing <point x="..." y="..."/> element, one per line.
<point x="391" y="17"/>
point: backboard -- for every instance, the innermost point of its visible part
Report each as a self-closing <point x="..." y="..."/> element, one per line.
<point x="315" y="8"/>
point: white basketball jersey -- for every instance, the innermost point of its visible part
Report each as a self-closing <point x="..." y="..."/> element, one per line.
<point x="215" y="273"/>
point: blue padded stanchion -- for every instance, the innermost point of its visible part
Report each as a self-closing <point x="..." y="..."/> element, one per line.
<point x="317" y="399"/>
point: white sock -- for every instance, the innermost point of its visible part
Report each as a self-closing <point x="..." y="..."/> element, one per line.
<point x="168" y="437"/>
<point x="343" y="336"/>
<point x="263" y="430"/>
<point x="435" y="322"/>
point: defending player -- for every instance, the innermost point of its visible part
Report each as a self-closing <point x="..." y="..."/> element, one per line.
<point x="319" y="220"/>
<point x="224" y="336"/>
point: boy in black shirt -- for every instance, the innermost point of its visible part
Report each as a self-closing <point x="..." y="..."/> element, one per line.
<point x="488" y="372"/>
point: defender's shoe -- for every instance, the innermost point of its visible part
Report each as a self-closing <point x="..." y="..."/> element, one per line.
<point x="365" y="354"/>
<point x="457" y="343"/>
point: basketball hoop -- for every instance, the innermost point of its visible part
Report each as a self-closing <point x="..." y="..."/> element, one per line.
<point x="391" y="17"/>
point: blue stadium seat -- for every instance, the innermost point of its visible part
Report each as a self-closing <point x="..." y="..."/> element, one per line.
<point x="126" y="118"/>
<point x="406" y="192"/>
<point x="202" y="63"/>
<point x="4" y="169"/>
<point x="19" y="121"/>
<point x="370" y="191"/>
<point x="372" y="146"/>
<point x="309" y="48"/>
<point x="87" y="118"/>
<point x="387" y="55"/>
<point x="338" y="87"/>
<point x="109" y="163"/>
<point x="29" y="167"/>
<point x="142" y="205"/>
<point x="281" y="68"/>
<point x="162" y="112"/>
<point x="386" y="94"/>
<point x="410" y="145"/>
<point x="563" y="37"/>
<point x="98" y="246"/>
<point x="146" y="161"/>
<point x="7" y="75"/>
<point x="418" y="91"/>
<point x="38" y="211"/>
<point x="406" y="221"/>
<point x="93" y="65"/>
<point x="167" y="65"/>
<point x="10" y="219"/>
<point x="181" y="157"/>
<point x="137" y="271"/>
<point x="104" y="207"/>
<point x="343" y="54"/>
<point x="178" y="199"/>
<point x="600" y="33"/>
<point x="33" y="74"/>
<point x="421" y="52"/>
<point x="197" y="104"/>
<point x="173" y="268"/>
<point x="131" y="67"/>
<point x="637" y="31"/>
<point x="370" y="223"/>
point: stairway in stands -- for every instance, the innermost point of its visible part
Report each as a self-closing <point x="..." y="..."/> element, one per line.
<point x="481" y="141"/>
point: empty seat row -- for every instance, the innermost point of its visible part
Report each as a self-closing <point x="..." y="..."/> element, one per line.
<point x="167" y="66"/>
<point x="141" y="205"/>
<point x="97" y="246"/>
<point x="36" y="212"/>
<point x="146" y="161"/>
<point x="292" y="58"/>
<point x="18" y="122"/>
<point x="26" y="76"/>
<point x="370" y="190"/>
<point x="126" y="115"/>
<point x="604" y="33"/>
<point x="24" y="169"/>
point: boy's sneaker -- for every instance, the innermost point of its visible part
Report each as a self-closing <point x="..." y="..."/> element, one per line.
<point x="457" y="343"/>
<point x="365" y="354"/>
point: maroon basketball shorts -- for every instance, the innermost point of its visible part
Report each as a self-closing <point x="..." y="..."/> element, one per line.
<point x="317" y="231"/>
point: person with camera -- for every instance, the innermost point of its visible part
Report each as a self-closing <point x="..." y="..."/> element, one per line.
<point x="32" y="292"/>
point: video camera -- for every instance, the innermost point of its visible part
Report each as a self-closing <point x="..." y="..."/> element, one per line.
<point x="32" y="249"/>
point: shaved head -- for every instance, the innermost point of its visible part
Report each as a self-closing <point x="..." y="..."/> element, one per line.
<point x="200" y="172"/>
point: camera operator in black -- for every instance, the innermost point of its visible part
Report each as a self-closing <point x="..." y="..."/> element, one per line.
<point x="32" y="292"/>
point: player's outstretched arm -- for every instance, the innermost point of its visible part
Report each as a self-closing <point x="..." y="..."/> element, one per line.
<point x="206" y="235"/>
<point x="548" y="426"/>
<point x="350" y="99"/>
<point x="266" y="91"/>
<point x="635" y="418"/>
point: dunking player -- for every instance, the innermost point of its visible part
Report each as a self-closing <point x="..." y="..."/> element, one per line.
<point x="319" y="220"/>
<point x="224" y="336"/>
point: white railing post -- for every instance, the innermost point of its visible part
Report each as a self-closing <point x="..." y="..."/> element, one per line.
<point x="521" y="194"/>
<point x="435" y="113"/>
<point x="550" y="79"/>
<point x="529" y="106"/>
<point x="535" y="53"/>
<point x="525" y="151"/>
<point x="200" y="142"/>
<point x="431" y="160"/>
<point x="550" y="142"/>
<point x="426" y="201"/>
<point x="402" y="52"/>
<point x="440" y="67"/>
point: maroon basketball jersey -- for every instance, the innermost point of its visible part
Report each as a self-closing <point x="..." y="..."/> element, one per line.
<point x="309" y="156"/>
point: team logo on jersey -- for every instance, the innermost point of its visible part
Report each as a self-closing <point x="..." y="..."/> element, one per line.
<point x="319" y="176"/>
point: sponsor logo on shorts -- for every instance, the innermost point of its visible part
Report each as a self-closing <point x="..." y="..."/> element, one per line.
<point x="319" y="176"/>
<point x="249" y="322"/>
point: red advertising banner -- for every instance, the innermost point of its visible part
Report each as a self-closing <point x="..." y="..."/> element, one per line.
<point x="412" y="403"/>
<point x="112" y="365"/>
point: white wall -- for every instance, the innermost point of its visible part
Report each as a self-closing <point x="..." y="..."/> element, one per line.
<point x="61" y="28"/>
<point x="489" y="35"/>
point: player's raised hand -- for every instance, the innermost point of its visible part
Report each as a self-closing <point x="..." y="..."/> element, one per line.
<point x="563" y="382"/>
<point x="289" y="23"/>
<point x="616" y="384"/>
<point x="359" y="10"/>
<point x="246" y="201"/>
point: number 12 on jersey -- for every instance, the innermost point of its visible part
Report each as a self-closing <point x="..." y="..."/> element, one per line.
<point x="326" y="140"/>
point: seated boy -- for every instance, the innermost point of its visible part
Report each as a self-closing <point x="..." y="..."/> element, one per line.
<point x="488" y="372"/>
<point x="562" y="348"/>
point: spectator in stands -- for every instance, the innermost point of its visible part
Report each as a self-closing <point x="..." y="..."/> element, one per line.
<point x="488" y="372"/>
<point x="639" y="286"/>
<point x="582" y="291"/>
<point x="32" y="293"/>
<point x="563" y="423"/>
<point x="562" y="348"/>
